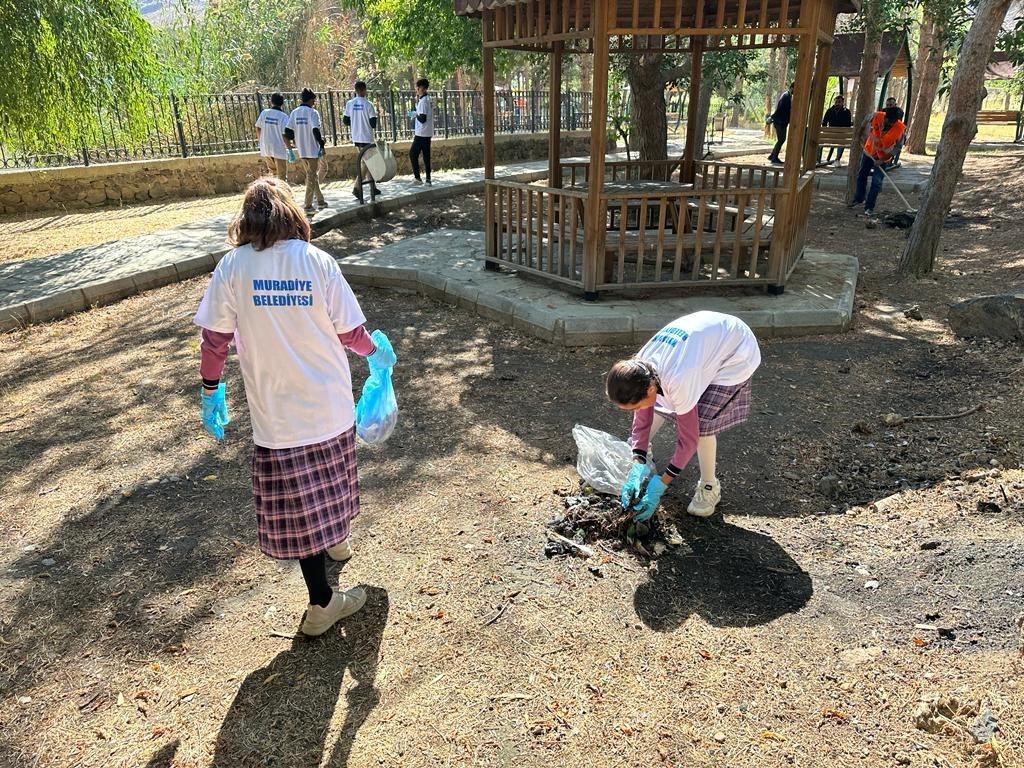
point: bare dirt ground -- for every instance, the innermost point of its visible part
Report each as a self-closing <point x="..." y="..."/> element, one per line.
<point x="140" y="626"/>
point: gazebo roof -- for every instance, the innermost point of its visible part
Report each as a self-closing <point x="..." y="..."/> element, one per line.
<point x="848" y="50"/>
<point x="645" y="7"/>
<point x="1000" y="67"/>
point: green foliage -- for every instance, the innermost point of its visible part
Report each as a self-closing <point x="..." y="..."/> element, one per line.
<point x="235" y="41"/>
<point x="61" y="62"/>
<point x="423" y="34"/>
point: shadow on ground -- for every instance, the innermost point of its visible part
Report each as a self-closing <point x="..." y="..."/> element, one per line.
<point x="282" y="714"/>
<point x="728" y="575"/>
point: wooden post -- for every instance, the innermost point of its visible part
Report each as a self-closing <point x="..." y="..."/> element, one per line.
<point x="694" y="142"/>
<point x="555" y="116"/>
<point x="820" y="85"/>
<point x="490" y="225"/>
<point x="788" y="229"/>
<point x="594" y="226"/>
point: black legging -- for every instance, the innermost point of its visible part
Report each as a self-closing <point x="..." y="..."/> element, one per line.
<point x="420" y="145"/>
<point x="314" y="573"/>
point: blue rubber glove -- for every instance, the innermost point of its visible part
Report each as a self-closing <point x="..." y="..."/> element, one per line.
<point x="384" y="354"/>
<point x="412" y="114"/>
<point x="631" y="488"/>
<point x="646" y="506"/>
<point x="291" y="156"/>
<point x="213" y="410"/>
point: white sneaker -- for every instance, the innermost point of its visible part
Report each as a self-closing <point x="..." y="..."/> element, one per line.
<point x="705" y="499"/>
<point x="318" y="620"/>
<point x="339" y="553"/>
<point x="417" y="182"/>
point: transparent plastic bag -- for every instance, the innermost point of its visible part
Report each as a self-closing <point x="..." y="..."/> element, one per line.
<point x="603" y="461"/>
<point x="377" y="409"/>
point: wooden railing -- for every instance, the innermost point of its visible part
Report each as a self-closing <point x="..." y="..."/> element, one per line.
<point x="578" y="173"/>
<point x="656" y="233"/>
<point x="536" y="229"/>
<point x="687" y="237"/>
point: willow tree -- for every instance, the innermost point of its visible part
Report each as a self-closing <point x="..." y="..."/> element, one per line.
<point x="61" y="62"/>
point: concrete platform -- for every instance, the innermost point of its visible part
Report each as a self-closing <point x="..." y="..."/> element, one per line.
<point x="448" y="265"/>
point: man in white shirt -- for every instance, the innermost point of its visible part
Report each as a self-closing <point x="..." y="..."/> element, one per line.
<point x="303" y="134"/>
<point x="361" y="118"/>
<point x="270" y="127"/>
<point x="423" y="117"/>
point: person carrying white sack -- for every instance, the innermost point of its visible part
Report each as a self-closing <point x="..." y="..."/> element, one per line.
<point x="695" y="372"/>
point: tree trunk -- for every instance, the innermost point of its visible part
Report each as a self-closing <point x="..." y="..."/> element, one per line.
<point x="927" y="71"/>
<point x="703" y="108"/>
<point x="965" y="96"/>
<point x="872" y="10"/>
<point x="648" y="121"/>
<point x="737" y="107"/>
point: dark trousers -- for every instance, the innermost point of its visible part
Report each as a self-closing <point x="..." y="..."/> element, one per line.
<point x="359" y="169"/>
<point x="780" y="139"/>
<point x="420" y="146"/>
<point x="868" y="167"/>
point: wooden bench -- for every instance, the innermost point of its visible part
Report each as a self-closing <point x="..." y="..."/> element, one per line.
<point x="1003" y="117"/>
<point x="836" y="137"/>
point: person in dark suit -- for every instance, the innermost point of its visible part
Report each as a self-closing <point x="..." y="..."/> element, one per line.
<point x="780" y="121"/>
<point x="837" y="116"/>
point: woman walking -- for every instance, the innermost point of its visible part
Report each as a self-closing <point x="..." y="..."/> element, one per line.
<point x="291" y="315"/>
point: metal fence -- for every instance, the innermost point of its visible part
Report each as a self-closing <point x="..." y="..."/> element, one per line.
<point x="213" y="124"/>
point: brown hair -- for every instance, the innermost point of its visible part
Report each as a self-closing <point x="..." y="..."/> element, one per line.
<point x="629" y="381"/>
<point x="269" y="214"/>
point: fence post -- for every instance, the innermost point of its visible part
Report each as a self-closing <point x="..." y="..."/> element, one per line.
<point x="178" y="125"/>
<point x="259" y="101"/>
<point x="85" y="154"/>
<point x="394" y="120"/>
<point x="334" y="119"/>
<point x="444" y="110"/>
<point x="533" y="111"/>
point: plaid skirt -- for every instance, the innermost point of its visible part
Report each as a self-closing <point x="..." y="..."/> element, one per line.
<point x="720" y="407"/>
<point x="305" y="496"/>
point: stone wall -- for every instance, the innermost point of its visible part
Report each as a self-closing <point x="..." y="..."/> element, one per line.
<point x="142" y="181"/>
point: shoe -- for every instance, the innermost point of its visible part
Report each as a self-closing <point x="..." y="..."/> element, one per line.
<point x="318" y="620"/>
<point x="776" y="161"/>
<point x="772" y="157"/>
<point x="309" y="208"/>
<point x="854" y="203"/>
<point x="705" y="499"/>
<point x="869" y="212"/>
<point x="339" y="553"/>
<point x="430" y="183"/>
<point x="322" y="204"/>
<point x="418" y="182"/>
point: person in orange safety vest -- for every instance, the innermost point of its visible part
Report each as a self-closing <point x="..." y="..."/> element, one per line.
<point x="885" y="137"/>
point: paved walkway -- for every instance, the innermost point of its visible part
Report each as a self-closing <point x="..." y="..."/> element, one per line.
<point x="49" y="287"/>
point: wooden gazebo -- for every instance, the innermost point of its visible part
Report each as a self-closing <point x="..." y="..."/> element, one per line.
<point x="601" y="226"/>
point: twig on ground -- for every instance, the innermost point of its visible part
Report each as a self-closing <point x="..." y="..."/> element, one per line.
<point x="498" y="615"/>
<point x="583" y="549"/>
<point x="895" y="419"/>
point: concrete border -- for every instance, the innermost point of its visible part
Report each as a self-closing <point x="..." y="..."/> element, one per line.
<point x="448" y="266"/>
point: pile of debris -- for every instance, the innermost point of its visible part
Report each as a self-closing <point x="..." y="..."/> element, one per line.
<point x="591" y="518"/>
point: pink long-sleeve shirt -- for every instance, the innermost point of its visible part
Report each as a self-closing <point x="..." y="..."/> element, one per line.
<point x="687" y="433"/>
<point x="214" y="349"/>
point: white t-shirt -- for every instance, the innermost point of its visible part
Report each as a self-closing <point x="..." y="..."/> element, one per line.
<point x="302" y="121"/>
<point x="425" y="106"/>
<point x="697" y="350"/>
<point x="272" y="123"/>
<point x="359" y="110"/>
<point x="286" y="306"/>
